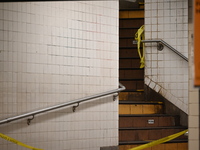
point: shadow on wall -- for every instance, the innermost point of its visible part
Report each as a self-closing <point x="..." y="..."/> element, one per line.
<point x="62" y="115"/>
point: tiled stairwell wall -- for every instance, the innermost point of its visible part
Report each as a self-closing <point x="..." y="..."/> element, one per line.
<point x="55" y="52"/>
<point x="166" y="72"/>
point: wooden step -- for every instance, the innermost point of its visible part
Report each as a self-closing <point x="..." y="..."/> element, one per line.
<point x="131" y="22"/>
<point x="140" y="107"/>
<point x="145" y="142"/>
<point x="136" y="96"/>
<point x="131" y="73"/>
<point x="152" y="120"/>
<point x="164" y="146"/>
<point x="141" y="5"/>
<point x="128" y="32"/>
<point x="148" y="133"/>
<point x="138" y="90"/>
<point x="136" y="13"/>
<point x="127" y="42"/>
<point x="133" y="85"/>
<point x="129" y="62"/>
<point x="128" y="52"/>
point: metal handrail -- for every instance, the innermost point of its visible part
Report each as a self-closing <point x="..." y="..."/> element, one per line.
<point x="160" y="46"/>
<point x="78" y="101"/>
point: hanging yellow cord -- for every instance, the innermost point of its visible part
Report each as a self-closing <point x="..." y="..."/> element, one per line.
<point x="138" y="37"/>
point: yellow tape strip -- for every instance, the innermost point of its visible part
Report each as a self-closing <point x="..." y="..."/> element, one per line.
<point x="160" y="141"/>
<point x="17" y="142"/>
<point x="138" y="37"/>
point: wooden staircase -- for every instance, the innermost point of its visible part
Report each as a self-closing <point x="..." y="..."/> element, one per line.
<point x="140" y="120"/>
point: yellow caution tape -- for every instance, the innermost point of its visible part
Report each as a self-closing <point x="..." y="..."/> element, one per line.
<point x="138" y="37"/>
<point x="17" y="142"/>
<point x="160" y="141"/>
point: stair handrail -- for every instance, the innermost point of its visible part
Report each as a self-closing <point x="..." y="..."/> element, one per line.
<point x="78" y="101"/>
<point x="160" y="46"/>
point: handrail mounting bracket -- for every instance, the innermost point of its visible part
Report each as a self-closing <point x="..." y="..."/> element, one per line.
<point x="30" y="119"/>
<point x="160" y="46"/>
<point x="115" y="96"/>
<point x="74" y="107"/>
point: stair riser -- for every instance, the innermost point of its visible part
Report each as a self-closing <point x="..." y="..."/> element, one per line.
<point x="143" y="135"/>
<point x="131" y="74"/>
<point x="126" y="42"/>
<point x="129" y="63"/>
<point x="140" y="109"/>
<point x="136" y="96"/>
<point x="127" y="32"/>
<point x="133" y="85"/>
<point x="128" y="52"/>
<point x="131" y="14"/>
<point x="141" y="6"/>
<point x="131" y="23"/>
<point x="148" y="122"/>
<point x="165" y="146"/>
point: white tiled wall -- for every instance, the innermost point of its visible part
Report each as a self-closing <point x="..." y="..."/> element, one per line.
<point x="55" y="52"/>
<point x="165" y="71"/>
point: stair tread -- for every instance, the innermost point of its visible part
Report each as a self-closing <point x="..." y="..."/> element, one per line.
<point x="132" y="9"/>
<point x="144" y="142"/>
<point x="131" y="79"/>
<point x="131" y="18"/>
<point x="147" y="115"/>
<point x="156" y="128"/>
<point x="139" y="102"/>
<point x="129" y="57"/>
<point x="127" y="90"/>
<point x="129" y="27"/>
<point x="133" y="91"/>
<point x="131" y="68"/>
<point x="126" y="37"/>
<point x="132" y="47"/>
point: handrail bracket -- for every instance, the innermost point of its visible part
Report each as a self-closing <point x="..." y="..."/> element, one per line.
<point x="30" y="119"/>
<point x="160" y="46"/>
<point x="74" y="107"/>
<point x="115" y="96"/>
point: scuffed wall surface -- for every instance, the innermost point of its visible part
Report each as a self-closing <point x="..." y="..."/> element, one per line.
<point x="55" y="52"/>
<point x="166" y="72"/>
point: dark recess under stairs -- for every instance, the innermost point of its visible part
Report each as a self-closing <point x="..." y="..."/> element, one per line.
<point x="140" y="120"/>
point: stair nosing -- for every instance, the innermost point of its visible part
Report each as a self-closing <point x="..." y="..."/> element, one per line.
<point x="147" y="115"/>
<point x="132" y="9"/>
<point x="139" y="102"/>
<point x="129" y="57"/>
<point x="131" y="91"/>
<point x="129" y="27"/>
<point x="131" y="68"/>
<point x="127" y="37"/>
<point x="130" y="18"/>
<point x="155" y="128"/>
<point x="144" y="142"/>
<point x="131" y="79"/>
<point x="133" y="47"/>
